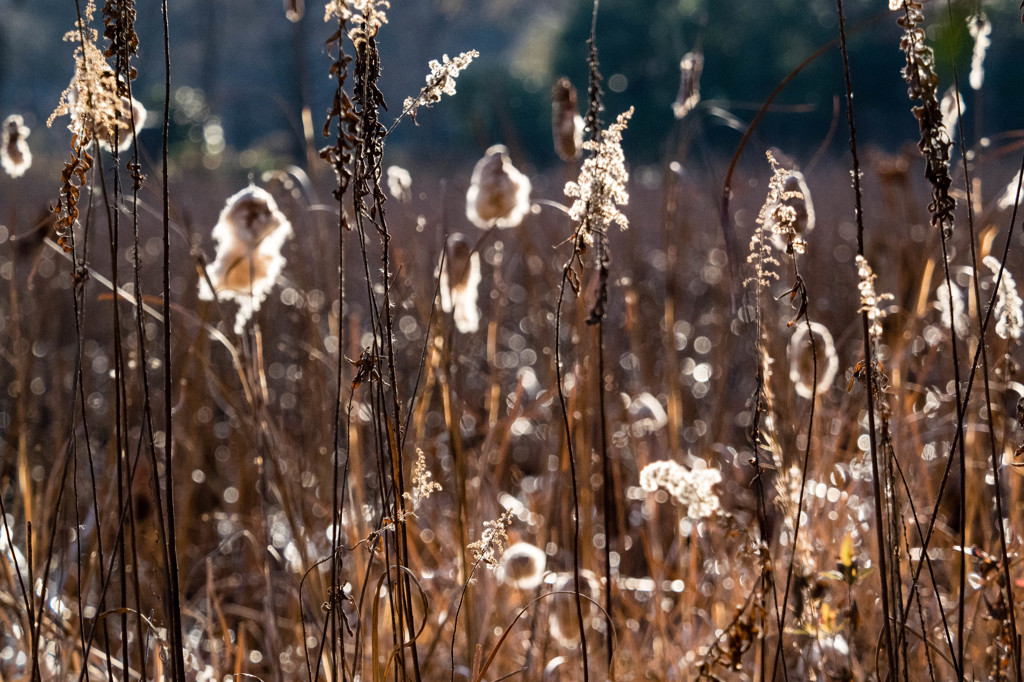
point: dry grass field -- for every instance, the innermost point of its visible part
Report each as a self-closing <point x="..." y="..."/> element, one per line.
<point x="757" y="418"/>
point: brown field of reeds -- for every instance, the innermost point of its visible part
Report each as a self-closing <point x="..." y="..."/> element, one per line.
<point x="734" y="416"/>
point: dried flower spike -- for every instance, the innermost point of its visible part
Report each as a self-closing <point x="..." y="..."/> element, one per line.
<point x="499" y="195"/>
<point x="1009" y="309"/>
<point x="491" y="545"/>
<point x="249" y="233"/>
<point x="601" y="187"/>
<point x="870" y="301"/>
<point x="368" y="15"/>
<point x="15" y="155"/>
<point x="440" y="81"/>
<point x="566" y="122"/>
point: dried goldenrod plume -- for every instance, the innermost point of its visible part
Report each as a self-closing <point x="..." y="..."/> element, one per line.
<point x="980" y="29"/>
<point x="870" y="301"/>
<point x="522" y="566"/>
<point x="790" y="217"/>
<point x="601" y="187"/>
<point x="423" y="485"/>
<point x="15" y="156"/>
<point x="249" y="234"/>
<point x="690" y="69"/>
<point x="368" y="15"/>
<point x="491" y="545"/>
<point x="460" y="282"/>
<point x="801" y="359"/>
<point x="499" y="195"/>
<point x="97" y="100"/>
<point x="566" y="122"/>
<point x="1009" y="309"/>
<point x="400" y="183"/>
<point x="440" y="81"/>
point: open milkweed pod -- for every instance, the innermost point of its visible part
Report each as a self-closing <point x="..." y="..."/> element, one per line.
<point x="499" y="195"/>
<point x="249" y="233"/>
<point x="460" y="282"/>
<point x="15" y="155"/>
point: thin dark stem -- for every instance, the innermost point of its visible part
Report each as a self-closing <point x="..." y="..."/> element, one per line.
<point x="174" y="617"/>
<point x="869" y="370"/>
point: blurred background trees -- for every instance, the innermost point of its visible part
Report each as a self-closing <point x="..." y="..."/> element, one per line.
<point x="242" y="70"/>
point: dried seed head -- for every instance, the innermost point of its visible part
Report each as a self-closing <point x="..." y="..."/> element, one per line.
<point x="460" y="282"/>
<point x="499" y="195"/>
<point x="15" y="156"/>
<point x="522" y="566"/>
<point x="566" y="122"/>
<point x="1009" y="309"/>
<point x="440" y="81"/>
<point x="249" y="233"/>
<point x="563" y="619"/>
<point x="400" y="183"/>
<point x="801" y="359"/>
<point x="690" y="69"/>
<point x="692" y="488"/>
<point x="870" y="301"/>
<point x="601" y="187"/>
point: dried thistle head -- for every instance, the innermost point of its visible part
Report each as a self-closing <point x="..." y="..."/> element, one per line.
<point x="440" y="81"/>
<point x="690" y="69"/>
<point x="15" y="156"/>
<point x="566" y="122"/>
<point x="498" y="195"/>
<point x="601" y="187"/>
<point x="250" y="233"/>
<point x="459" y="284"/>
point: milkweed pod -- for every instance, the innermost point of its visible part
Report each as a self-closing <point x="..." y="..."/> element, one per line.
<point x="499" y="195"/>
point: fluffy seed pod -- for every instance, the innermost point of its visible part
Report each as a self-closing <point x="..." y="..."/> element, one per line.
<point x="250" y="233"/>
<point x="566" y="122"/>
<point x="690" y="69"/>
<point x="522" y="566"/>
<point x="499" y="195"/>
<point x="801" y="360"/>
<point x="563" y="619"/>
<point x="14" y="154"/>
<point x="460" y="281"/>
